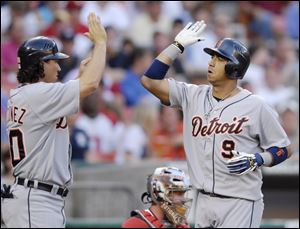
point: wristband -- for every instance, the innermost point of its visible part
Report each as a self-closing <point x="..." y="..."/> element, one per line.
<point x="274" y="156"/>
<point x="171" y="52"/>
<point x="279" y="154"/>
<point x="157" y="70"/>
<point x="259" y="159"/>
<point x="178" y="45"/>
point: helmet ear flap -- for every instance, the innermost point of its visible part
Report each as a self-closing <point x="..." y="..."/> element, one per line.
<point x="231" y="70"/>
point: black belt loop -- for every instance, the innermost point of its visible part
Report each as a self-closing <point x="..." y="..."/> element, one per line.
<point x="42" y="186"/>
<point x="213" y="194"/>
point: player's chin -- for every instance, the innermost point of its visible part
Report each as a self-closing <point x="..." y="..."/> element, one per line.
<point x="210" y="77"/>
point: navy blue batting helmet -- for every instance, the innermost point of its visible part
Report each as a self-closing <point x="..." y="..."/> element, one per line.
<point x="38" y="49"/>
<point x="237" y="55"/>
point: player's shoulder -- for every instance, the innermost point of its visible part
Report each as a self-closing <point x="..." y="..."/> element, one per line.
<point x="134" y="222"/>
<point x="40" y="87"/>
<point x="44" y="88"/>
<point x="189" y="86"/>
<point x="258" y="100"/>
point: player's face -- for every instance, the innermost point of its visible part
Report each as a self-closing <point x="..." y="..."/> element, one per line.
<point x="216" y="70"/>
<point x="51" y="70"/>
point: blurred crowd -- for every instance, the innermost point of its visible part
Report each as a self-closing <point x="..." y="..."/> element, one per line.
<point x="122" y="122"/>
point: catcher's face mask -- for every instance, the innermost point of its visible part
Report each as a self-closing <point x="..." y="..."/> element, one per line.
<point x="169" y="188"/>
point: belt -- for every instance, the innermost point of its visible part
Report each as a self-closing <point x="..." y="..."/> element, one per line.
<point x="43" y="186"/>
<point x="213" y="194"/>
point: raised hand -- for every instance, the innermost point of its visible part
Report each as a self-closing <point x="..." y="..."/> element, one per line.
<point x="190" y="34"/>
<point x="96" y="32"/>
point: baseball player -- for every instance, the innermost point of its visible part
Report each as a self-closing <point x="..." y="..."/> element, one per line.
<point x="167" y="189"/>
<point x="38" y="132"/>
<point x="229" y="133"/>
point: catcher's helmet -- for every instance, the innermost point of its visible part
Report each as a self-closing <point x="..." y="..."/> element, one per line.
<point x="161" y="186"/>
<point x="237" y="55"/>
<point x="38" y="49"/>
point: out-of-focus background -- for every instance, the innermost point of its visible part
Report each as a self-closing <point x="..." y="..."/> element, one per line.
<point x="122" y="132"/>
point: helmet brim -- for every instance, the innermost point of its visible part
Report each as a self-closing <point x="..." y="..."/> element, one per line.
<point x="56" y="56"/>
<point x="217" y="52"/>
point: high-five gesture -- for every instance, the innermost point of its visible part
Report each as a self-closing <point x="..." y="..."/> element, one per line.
<point x="96" y="30"/>
<point x="190" y="34"/>
<point x="91" y="69"/>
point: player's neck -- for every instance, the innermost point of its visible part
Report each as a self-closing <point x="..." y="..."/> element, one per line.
<point x="224" y="92"/>
<point x="157" y="211"/>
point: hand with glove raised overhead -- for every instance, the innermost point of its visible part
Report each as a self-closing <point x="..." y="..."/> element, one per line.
<point x="189" y="35"/>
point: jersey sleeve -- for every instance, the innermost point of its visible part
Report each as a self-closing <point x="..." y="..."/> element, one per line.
<point x="269" y="129"/>
<point x="55" y="100"/>
<point x="180" y="92"/>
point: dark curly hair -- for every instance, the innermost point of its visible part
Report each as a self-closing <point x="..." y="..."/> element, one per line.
<point x="32" y="74"/>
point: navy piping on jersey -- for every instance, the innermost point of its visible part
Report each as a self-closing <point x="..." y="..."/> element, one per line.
<point x="251" y="214"/>
<point x="213" y="164"/>
<point x="69" y="162"/>
<point x="213" y="157"/>
<point x="28" y="204"/>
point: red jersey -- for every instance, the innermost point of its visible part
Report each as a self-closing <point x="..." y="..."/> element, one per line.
<point x="146" y="219"/>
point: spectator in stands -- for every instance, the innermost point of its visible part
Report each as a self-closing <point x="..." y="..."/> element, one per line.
<point x="60" y="22"/>
<point x="292" y="20"/>
<point x="130" y="86"/>
<point x="79" y="139"/>
<point x="67" y="38"/>
<point x="193" y="55"/>
<point x="147" y="23"/>
<point x="122" y="58"/>
<point x="112" y="13"/>
<point x="289" y="114"/>
<point x="166" y="141"/>
<point x="74" y="7"/>
<point x="256" y="74"/>
<point x="98" y="128"/>
<point x="287" y="62"/>
<point x="10" y="46"/>
<point x="133" y="133"/>
<point x="275" y="92"/>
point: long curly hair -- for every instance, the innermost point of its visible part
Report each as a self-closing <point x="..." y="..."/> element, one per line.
<point x="32" y="74"/>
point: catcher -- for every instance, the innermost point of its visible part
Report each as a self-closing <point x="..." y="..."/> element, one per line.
<point x="167" y="188"/>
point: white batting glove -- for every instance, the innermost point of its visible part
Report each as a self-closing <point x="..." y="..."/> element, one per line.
<point x="242" y="163"/>
<point x="191" y="33"/>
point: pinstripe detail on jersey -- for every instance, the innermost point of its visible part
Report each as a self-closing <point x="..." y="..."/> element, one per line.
<point x="251" y="218"/>
<point x="213" y="164"/>
<point x="28" y="204"/>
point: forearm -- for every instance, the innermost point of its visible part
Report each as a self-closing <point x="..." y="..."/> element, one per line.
<point x="93" y="72"/>
<point x="153" y="79"/>
<point x="91" y="76"/>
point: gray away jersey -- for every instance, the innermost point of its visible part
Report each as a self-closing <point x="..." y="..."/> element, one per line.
<point x="38" y="132"/>
<point x="212" y="129"/>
